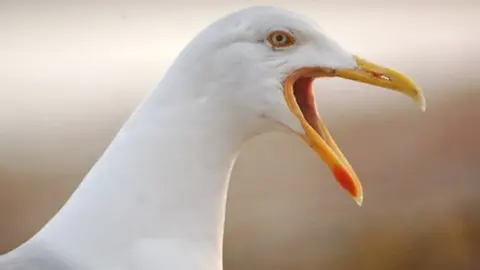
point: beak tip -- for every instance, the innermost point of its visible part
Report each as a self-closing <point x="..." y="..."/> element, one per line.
<point x="359" y="200"/>
<point x="421" y="101"/>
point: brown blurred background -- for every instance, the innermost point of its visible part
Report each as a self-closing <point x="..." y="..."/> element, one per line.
<point x="72" y="71"/>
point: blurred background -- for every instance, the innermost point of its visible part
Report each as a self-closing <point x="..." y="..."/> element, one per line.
<point x="72" y="71"/>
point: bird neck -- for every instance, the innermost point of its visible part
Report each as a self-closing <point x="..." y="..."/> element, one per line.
<point x="157" y="196"/>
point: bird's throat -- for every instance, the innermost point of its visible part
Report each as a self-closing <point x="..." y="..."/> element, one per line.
<point x="161" y="184"/>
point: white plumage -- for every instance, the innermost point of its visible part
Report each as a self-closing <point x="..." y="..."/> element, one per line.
<point x="156" y="198"/>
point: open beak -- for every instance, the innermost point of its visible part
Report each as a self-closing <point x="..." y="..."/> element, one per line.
<point x="300" y="98"/>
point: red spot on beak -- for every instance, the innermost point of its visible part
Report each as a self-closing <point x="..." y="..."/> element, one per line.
<point x="345" y="180"/>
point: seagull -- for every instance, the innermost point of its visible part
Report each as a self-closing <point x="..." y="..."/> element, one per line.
<point x="156" y="198"/>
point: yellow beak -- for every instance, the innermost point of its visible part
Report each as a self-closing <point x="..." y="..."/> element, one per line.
<point x="298" y="98"/>
<point x="374" y="74"/>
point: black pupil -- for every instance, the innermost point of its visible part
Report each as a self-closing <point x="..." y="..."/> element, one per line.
<point x="280" y="38"/>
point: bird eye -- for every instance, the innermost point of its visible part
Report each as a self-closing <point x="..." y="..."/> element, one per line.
<point x="280" y="39"/>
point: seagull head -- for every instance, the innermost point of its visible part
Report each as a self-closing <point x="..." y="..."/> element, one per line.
<point x="264" y="60"/>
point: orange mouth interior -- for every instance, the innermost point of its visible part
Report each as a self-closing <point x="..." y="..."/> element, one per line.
<point x="299" y="94"/>
<point x="303" y="92"/>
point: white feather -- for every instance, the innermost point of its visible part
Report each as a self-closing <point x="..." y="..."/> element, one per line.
<point x="156" y="198"/>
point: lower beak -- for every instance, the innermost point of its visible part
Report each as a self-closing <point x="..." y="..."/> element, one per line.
<point x="299" y="96"/>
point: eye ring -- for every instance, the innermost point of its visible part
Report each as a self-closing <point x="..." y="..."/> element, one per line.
<point x="280" y="39"/>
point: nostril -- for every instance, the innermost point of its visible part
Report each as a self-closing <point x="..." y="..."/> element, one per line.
<point x="381" y="76"/>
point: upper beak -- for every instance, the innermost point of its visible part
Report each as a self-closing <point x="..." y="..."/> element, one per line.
<point x="374" y="74"/>
<point x="300" y="100"/>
